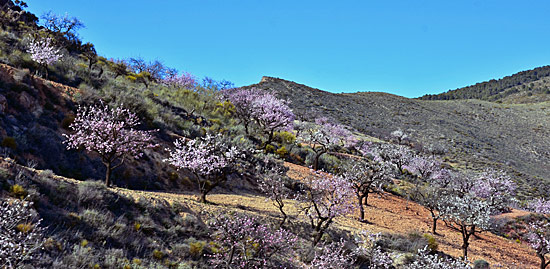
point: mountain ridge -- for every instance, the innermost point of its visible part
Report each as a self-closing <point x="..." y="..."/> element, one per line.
<point x="477" y="133"/>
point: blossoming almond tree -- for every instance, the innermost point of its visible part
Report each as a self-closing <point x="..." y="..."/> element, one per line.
<point x="325" y="197"/>
<point x="185" y="80"/>
<point x="44" y="52"/>
<point x="243" y="243"/>
<point x="211" y="159"/>
<point x="324" y="136"/>
<point x="109" y="132"/>
<point x="272" y="183"/>
<point x="21" y="236"/>
<point x="466" y="214"/>
<point x="366" y="177"/>
<point x="538" y="230"/>
<point x="269" y="113"/>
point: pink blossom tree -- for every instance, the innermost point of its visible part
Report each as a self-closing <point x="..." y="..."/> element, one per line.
<point x="538" y="230"/>
<point x="496" y="187"/>
<point x="272" y="183"/>
<point x="324" y="136"/>
<point x="538" y="238"/>
<point x="185" y="80"/>
<point x="21" y="236"/>
<point x="332" y="256"/>
<point x="397" y="155"/>
<point x="211" y="159"/>
<point x="243" y="243"/>
<point x="263" y="108"/>
<point x="272" y="114"/>
<point x="325" y="197"/>
<point x="109" y="132"/>
<point x="44" y="52"/>
<point x="243" y="100"/>
<point x="365" y="176"/>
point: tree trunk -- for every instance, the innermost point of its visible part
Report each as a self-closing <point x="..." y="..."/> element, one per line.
<point x="434" y="225"/>
<point x="284" y="218"/>
<point x="245" y="123"/>
<point x="108" y="174"/>
<point x="542" y="260"/>
<point x="318" y="233"/>
<point x="203" y="197"/>
<point x="465" y="249"/>
<point x="361" y="208"/>
<point x="466" y="237"/>
<point x="316" y="161"/>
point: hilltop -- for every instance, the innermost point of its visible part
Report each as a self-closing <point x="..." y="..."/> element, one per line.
<point x="530" y="86"/>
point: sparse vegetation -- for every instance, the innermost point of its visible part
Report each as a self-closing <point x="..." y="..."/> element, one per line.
<point x="243" y="148"/>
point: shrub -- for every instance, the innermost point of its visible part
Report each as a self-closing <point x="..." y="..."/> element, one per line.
<point x="282" y="152"/>
<point x="9" y="142"/>
<point x="196" y="248"/>
<point x="269" y="148"/>
<point x="20" y="239"/>
<point x="92" y="193"/>
<point x="432" y="244"/>
<point x="481" y="264"/>
<point x="18" y="191"/>
<point x="158" y="254"/>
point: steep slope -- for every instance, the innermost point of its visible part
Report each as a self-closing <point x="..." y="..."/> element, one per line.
<point x="529" y="86"/>
<point x="476" y="133"/>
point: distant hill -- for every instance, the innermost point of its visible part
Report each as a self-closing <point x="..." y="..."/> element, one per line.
<point x="477" y="133"/>
<point x="529" y="86"/>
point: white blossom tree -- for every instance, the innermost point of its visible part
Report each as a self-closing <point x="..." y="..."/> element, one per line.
<point x="21" y="236"/>
<point x="366" y="176"/>
<point x="44" y="52"/>
<point x="425" y="260"/>
<point x="466" y="214"/>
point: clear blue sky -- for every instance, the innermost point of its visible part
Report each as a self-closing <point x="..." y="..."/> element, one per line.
<point x="408" y="47"/>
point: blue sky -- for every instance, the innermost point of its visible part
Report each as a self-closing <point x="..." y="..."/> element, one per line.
<point x="409" y="47"/>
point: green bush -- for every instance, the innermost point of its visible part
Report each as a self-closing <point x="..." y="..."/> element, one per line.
<point x="196" y="248"/>
<point x="18" y="191"/>
<point x="282" y="152"/>
<point x="432" y="244"/>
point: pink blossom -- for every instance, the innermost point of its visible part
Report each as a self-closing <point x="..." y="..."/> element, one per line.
<point x="110" y="132"/>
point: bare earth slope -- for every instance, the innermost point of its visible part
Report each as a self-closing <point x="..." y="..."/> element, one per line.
<point x="477" y="133"/>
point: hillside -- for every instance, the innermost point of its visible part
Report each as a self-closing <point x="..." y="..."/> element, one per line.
<point x="128" y="163"/>
<point x="529" y="86"/>
<point x="180" y="218"/>
<point x="476" y="133"/>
